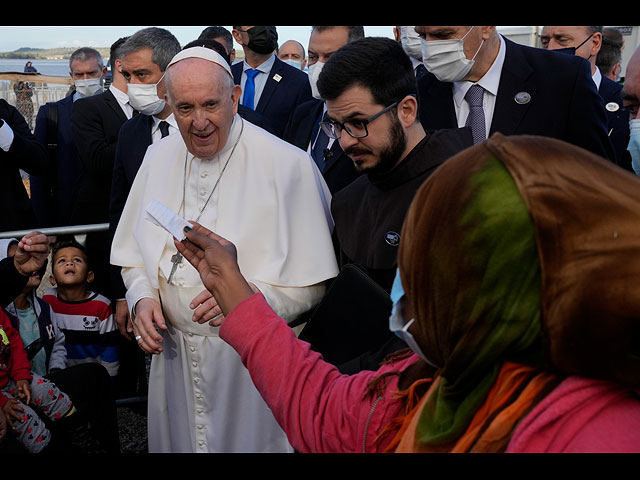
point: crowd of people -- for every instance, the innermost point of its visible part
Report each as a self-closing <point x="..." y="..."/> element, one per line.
<point x="418" y="244"/>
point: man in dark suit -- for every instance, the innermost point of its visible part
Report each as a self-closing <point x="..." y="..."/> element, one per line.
<point x="586" y="42"/>
<point x="524" y="90"/>
<point x="145" y="56"/>
<point x="153" y="122"/>
<point x="51" y="194"/>
<point x="19" y="150"/>
<point x="271" y="87"/>
<point x="304" y="129"/>
<point x="95" y="124"/>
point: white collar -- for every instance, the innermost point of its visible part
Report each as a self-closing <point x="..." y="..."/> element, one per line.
<point x="170" y="120"/>
<point x="597" y="78"/>
<point x="264" y="67"/>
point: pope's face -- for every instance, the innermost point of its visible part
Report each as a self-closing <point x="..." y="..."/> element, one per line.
<point x="204" y="103"/>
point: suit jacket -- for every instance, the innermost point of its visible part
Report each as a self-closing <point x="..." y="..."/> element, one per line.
<point x="96" y="122"/>
<point x="563" y="103"/>
<point x="617" y="120"/>
<point x="51" y="194"/>
<point x="286" y="88"/>
<point x="27" y="154"/>
<point x="338" y="170"/>
<point x="133" y="140"/>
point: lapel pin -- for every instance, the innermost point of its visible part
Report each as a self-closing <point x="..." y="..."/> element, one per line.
<point x="522" y="98"/>
<point x="277" y="77"/>
<point x="612" y="107"/>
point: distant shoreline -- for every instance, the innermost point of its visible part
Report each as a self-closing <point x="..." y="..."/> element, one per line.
<point x="47" y="53"/>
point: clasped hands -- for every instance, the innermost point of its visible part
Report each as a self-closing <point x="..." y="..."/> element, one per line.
<point x="215" y="259"/>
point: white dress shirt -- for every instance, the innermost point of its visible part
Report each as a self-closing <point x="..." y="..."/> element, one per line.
<point x="490" y="82"/>
<point x="123" y="100"/>
<point x="6" y="137"/>
<point x="156" y="134"/>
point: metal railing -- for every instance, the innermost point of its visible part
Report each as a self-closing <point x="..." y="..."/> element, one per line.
<point x="51" y="231"/>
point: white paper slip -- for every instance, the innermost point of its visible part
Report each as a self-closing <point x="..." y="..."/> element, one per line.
<point x="167" y="219"/>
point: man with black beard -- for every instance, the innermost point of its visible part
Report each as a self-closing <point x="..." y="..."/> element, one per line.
<point x="370" y="90"/>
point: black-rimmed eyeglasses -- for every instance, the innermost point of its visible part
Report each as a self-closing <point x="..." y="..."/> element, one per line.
<point x="355" y="128"/>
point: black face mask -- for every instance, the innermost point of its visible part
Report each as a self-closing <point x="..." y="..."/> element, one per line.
<point x="263" y="40"/>
<point x="572" y="50"/>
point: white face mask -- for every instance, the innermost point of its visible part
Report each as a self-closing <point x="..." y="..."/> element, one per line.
<point x="411" y="42"/>
<point x="446" y="58"/>
<point x="88" y="87"/>
<point x="314" y="73"/>
<point x="634" y="144"/>
<point x="144" y="98"/>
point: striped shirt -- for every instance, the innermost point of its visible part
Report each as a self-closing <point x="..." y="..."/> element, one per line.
<point x="90" y="329"/>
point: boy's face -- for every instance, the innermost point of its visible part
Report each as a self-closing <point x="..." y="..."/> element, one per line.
<point x="70" y="267"/>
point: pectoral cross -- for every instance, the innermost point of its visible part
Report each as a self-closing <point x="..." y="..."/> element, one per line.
<point x="176" y="259"/>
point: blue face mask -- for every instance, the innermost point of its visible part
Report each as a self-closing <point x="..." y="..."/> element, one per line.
<point x="397" y="322"/>
<point x="294" y="63"/>
<point x="634" y="144"/>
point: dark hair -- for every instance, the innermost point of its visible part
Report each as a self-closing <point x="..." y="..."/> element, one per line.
<point x="114" y="52"/>
<point x="68" y="243"/>
<point x="611" y="51"/>
<point x="376" y="63"/>
<point x="355" y="33"/>
<point x="219" y="32"/>
<point x="212" y="44"/>
<point x="162" y="43"/>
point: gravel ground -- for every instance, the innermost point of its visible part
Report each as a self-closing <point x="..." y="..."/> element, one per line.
<point x="132" y="423"/>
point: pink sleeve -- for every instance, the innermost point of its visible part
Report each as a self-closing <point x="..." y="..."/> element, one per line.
<point x="320" y="409"/>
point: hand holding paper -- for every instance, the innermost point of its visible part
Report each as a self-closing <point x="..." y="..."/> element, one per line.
<point x="167" y="219"/>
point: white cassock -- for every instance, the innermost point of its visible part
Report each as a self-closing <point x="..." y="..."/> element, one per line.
<point x="272" y="203"/>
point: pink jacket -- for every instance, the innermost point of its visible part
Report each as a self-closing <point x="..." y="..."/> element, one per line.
<point x="320" y="409"/>
<point x="324" y="411"/>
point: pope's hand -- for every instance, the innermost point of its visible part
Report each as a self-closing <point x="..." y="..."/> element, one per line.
<point x="215" y="259"/>
<point x="149" y="317"/>
<point x="207" y="308"/>
<point x="32" y="251"/>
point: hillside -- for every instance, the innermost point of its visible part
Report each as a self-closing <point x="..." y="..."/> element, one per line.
<point x="47" y="54"/>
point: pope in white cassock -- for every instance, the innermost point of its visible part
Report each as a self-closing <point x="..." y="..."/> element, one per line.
<point x="265" y="196"/>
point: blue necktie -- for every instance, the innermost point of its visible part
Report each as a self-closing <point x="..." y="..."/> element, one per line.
<point x="320" y="145"/>
<point x="250" y="88"/>
<point x="476" y="113"/>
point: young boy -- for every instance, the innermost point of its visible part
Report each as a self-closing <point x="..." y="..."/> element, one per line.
<point x="86" y="318"/>
<point x="32" y="317"/>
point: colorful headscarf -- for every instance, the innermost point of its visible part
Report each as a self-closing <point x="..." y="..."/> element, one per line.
<point x="515" y="285"/>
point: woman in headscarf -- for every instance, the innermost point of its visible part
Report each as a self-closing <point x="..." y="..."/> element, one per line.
<point x="520" y="261"/>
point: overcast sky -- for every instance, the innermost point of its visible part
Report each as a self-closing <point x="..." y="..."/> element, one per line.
<point x="15" y="37"/>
